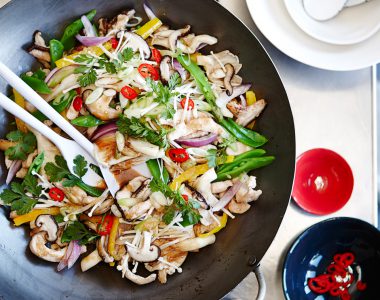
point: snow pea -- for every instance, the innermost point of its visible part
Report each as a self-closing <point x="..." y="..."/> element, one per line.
<point x="36" y="84"/>
<point x="238" y="159"/>
<point x="245" y="166"/>
<point x="87" y="121"/>
<point x="56" y="51"/>
<point x="37" y="163"/>
<point x="63" y="101"/>
<point x="68" y="37"/>
<point x="155" y="171"/>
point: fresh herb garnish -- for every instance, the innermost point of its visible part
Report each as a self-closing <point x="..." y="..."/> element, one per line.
<point x="26" y="144"/>
<point x="189" y="214"/>
<point x="59" y="171"/>
<point x="76" y="231"/>
<point x="89" y="77"/>
<point x="218" y="156"/>
<point x="163" y="94"/>
<point x="22" y="197"/>
<point x="134" y="127"/>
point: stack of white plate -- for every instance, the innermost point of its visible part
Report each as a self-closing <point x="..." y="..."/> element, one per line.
<point x="347" y="39"/>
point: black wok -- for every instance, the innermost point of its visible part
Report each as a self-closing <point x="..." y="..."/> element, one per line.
<point x="217" y="269"/>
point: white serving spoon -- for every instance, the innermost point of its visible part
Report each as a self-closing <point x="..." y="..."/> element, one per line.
<point x="68" y="148"/>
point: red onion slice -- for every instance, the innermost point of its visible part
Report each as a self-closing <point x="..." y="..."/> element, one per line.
<point x="198" y="142"/>
<point x="103" y="130"/>
<point x="75" y="253"/>
<point x="51" y="73"/>
<point x="13" y="169"/>
<point x="64" y="261"/>
<point x="89" y="41"/>
<point x="181" y="70"/>
<point x="227" y="197"/>
<point x="149" y="11"/>
<point x="57" y="75"/>
<point x="88" y="26"/>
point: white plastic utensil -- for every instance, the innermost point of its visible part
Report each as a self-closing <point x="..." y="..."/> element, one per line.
<point x="68" y="148"/>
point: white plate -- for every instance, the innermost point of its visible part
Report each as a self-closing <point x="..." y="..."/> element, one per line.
<point x="352" y="25"/>
<point x="273" y="20"/>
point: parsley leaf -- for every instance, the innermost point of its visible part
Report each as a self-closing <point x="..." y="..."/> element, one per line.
<point x="17" y="196"/>
<point x="219" y="156"/>
<point x="85" y="59"/>
<point x="87" y="78"/>
<point x="189" y="214"/>
<point x="60" y="171"/>
<point x="134" y="127"/>
<point x="212" y="157"/>
<point x="76" y="231"/>
<point x="80" y="167"/>
<point x="174" y="81"/>
<point x="26" y="144"/>
<point x="125" y="55"/>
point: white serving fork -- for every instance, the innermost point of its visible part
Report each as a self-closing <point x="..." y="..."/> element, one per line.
<point x="69" y="149"/>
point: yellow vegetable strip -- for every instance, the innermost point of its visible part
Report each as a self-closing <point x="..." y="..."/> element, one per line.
<point x="189" y="174"/>
<point x="148" y="28"/>
<point x="31" y="216"/>
<point x="251" y="97"/>
<point x="21" y="102"/>
<point x="113" y="236"/>
<point x="223" y="223"/>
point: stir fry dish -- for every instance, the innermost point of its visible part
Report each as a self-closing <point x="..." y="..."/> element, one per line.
<point x="173" y="123"/>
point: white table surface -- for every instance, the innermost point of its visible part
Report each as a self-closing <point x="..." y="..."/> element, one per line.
<point x="333" y="110"/>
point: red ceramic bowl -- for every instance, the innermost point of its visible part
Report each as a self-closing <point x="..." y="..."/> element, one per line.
<point x="323" y="181"/>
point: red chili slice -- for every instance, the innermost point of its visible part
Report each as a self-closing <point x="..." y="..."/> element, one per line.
<point x="320" y="284"/>
<point x="190" y="103"/>
<point x="128" y="93"/>
<point x="114" y="42"/>
<point x="56" y="194"/>
<point x="104" y="228"/>
<point x="147" y="70"/>
<point x="337" y="270"/>
<point x="178" y="155"/>
<point x="344" y="259"/>
<point x="156" y="55"/>
<point x="78" y="103"/>
<point x="361" y="286"/>
<point x="78" y="90"/>
<point x="186" y="197"/>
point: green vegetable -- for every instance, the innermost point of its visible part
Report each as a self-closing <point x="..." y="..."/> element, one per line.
<point x="39" y="116"/>
<point x="59" y="218"/>
<point x="26" y="144"/>
<point x="243" y="135"/>
<point x="37" y="163"/>
<point x="202" y="82"/>
<point x="87" y="121"/>
<point x="36" y="84"/>
<point x="189" y="214"/>
<point x="39" y="74"/>
<point x="244" y="166"/>
<point x="155" y="171"/>
<point x="16" y="196"/>
<point x="163" y="95"/>
<point x="68" y="37"/>
<point x="63" y="101"/>
<point x="59" y="171"/>
<point x="134" y="127"/>
<point x="238" y="159"/>
<point x="76" y="231"/>
<point x="218" y="156"/>
<point x="89" y="76"/>
<point x="56" y="51"/>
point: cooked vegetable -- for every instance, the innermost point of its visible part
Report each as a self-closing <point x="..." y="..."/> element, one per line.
<point x="87" y="121"/>
<point x="36" y="84"/>
<point x="56" y="51"/>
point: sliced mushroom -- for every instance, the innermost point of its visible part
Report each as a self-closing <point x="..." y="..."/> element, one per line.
<point x="221" y="186"/>
<point x="139" y="279"/>
<point x="137" y="210"/>
<point x="238" y="208"/>
<point x="173" y="37"/>
<point x="38" y="247"/>
<point x="147" y="253"/>
<point x="41" y="54"/>
<point x="76" y="195"/>
<point x="47" y="224"/>
<point x="137" y="43"/>
<point x="104" y="207"/>
<point x="101" y="247"/>
<point x="120" y="22"/>
<point x="90" y="260"/>
<point x="199" y="42"/>
<point x="101" y="109"/>
<point x="166" y="68"/>
<point x="230" y="72"/>
<point x="103" y="26"/>
<point x="39" y="40"/>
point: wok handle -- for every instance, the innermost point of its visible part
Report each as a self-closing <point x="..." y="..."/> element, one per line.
<point x="262" y="284"/>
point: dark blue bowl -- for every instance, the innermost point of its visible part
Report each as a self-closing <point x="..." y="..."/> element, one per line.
<point x="314" y="249"/>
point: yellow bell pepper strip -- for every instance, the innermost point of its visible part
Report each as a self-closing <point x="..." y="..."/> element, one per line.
<point x="148" y="28"/>
<point x="229" y="159"/>
<point x="223" y="223"/>
<point x="251" y="97"/>
<point x="189" y="174"/>
<point x="113" y="236"/>
<point x="68" y="59"/>
<point x="194" y="56"/>
<point x="31" y="216"/>
<point x="21" y="102"/>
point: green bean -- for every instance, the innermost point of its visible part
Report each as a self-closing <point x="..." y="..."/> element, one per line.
<point x="245" y="166"/>
<point x="87" y="121"/>
<point x="36" y="84"/>
<point x="238" y="159"/>
<point x="63" y="101"/>
<point x="155" y="171"/>
<point x="56" y="51"/>
<point x="92" y="191"/>
<point x="68" y="37"/>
